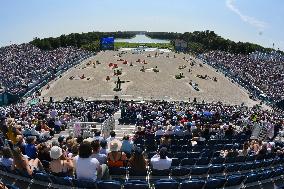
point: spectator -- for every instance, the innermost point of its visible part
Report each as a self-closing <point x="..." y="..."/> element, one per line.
<point x="137" y="161"/>
<point x="245" y="150"/>
<point x="21" y="144"/>
<point x="229" y="132"/>
<point x="98" y="136"/>
<point x="263" y="151"/>
<point x="60" y="165"/>
<point x="70" y="142"/>
<point x="112" y="137"/>
<point x="58" y="125"/>
<point x="179" y="131"/>
<point x="23" y="164"/>
<point x="115" y="157"/>
<point x="127" y="145"/>
<point x="87" y="167"/>
<point x="165" y="141"/>
<point x="31" y="150"/>
<point x="103" y="149"/>
<point x="43" y="152"/>
<point x="160" y="161"/>
<point x="6" y="159"/>
<point x="160" y="131"/>
<point x="140" y="133"/>
<point x="102" y="158"/>
<point x="61" y="141"/>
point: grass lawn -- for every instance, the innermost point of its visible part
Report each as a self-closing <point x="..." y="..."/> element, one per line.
<point x="118" y="45"/>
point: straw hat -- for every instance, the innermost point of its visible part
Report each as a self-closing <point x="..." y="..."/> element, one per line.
<point x="115" y="146"/>
<point x="55" y="152"/>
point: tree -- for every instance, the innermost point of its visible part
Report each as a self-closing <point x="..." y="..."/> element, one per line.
<point x="198" y="41"/>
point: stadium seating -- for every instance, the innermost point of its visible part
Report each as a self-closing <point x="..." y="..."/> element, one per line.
<point x="109" y="184"/>
<point x="203" y="165"/>
<point x="82" y="183"/>
<point x="166" y="183"/>
<point x="192" y="184"/>
<point x="136" y="184"/>
<point x="67" y="181"/>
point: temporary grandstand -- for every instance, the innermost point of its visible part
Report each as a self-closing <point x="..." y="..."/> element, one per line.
<point x="149" y="120"/>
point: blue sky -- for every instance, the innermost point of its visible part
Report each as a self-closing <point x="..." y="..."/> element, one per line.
<point x="257" y="21"/>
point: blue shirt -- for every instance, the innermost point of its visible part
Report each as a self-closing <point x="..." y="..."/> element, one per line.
<point x="102" y="158"/>
<point x="7" y="162"/>
<point x="126" y="146"/>
<point x="31" y="151"/>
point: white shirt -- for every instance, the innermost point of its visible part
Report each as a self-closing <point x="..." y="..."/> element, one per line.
<point x="86" y="168"/>
<point x="159" y="132"/>
<point x="58" y="123"/>
<point x="102" y="158"/>
<point x="109" y="139"/>
<point x="99" y="138"/>
<point x="34" y="132"/>
<point x="161" y="164"/>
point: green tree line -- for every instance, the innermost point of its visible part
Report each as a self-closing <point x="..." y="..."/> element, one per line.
<point x="89" y="41"/>
<point x="202" y="41"/>
<point x="198" y="41"/>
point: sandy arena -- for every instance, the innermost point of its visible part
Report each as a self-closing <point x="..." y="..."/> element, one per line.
<point x="90" y="82"/>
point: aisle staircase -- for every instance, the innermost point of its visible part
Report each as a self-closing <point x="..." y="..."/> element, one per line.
<point x="260" y="132"/>
<point x="122" y="130"/>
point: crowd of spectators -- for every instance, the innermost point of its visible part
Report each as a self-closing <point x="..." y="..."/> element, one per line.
<point x="163" y="130"/>
<point x="197" y="120"/>
<point x="44" y="120"/>
<point x="26" y="129"/>
<point x="261" y="73"/>
<point x="24" y="66"/>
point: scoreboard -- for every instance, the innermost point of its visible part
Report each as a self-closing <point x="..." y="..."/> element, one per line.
<point x="107" y="43"/>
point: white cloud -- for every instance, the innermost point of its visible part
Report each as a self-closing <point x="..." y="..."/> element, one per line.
<point x="260" y="25"/>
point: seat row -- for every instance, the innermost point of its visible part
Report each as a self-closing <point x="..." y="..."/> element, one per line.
<point x="182" y="143"/>
<point x="215" y="158"/>
<point x="188" y="147"/>
<point x="187" y="138"/>
<point x="210" y="182"/>
<point x="191" y="171"/>
<point x="192" y="183"/>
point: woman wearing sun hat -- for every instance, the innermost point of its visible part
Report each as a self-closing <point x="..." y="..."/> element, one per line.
<point x="60" y="165"/>
<point x="115" y="157"/>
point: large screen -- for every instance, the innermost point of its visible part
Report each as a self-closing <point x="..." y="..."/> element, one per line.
<point x="107" y="43"/>
<point x="180" y="45"/>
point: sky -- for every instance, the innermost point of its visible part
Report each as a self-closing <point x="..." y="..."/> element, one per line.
<point x="256" y="21"/>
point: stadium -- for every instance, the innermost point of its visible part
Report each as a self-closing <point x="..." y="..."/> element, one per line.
<point x="141" y="110"/>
